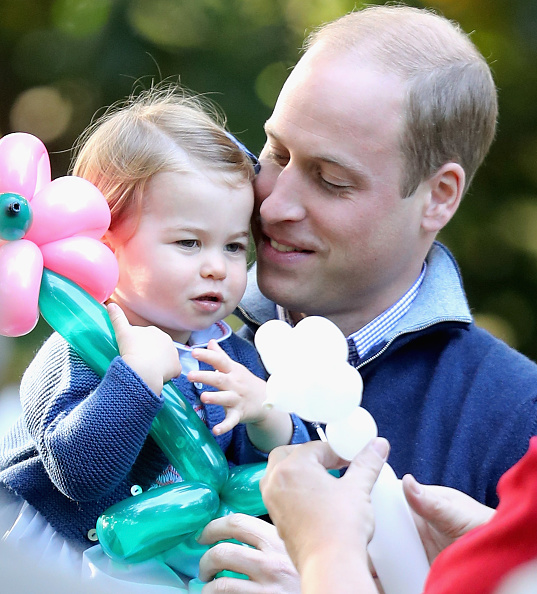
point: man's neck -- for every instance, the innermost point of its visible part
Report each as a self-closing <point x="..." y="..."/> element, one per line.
<point x="352" y="322"/>
<point x="296" y="317"/>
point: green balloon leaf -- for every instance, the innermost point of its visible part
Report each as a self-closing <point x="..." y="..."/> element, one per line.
<point x="241" y="491"/>
<point x="141" y="527"/>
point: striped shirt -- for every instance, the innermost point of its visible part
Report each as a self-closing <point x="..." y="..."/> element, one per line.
<point x="373" y="333"/>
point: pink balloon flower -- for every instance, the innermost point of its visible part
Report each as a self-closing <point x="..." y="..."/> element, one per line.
<point x="47" y="224"/>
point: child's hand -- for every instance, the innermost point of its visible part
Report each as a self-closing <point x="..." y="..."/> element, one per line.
<point x="147" y="350"/>
<point x="241" y="392"/>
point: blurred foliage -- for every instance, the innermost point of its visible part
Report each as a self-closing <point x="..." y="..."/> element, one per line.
<point x="65" y="60"/>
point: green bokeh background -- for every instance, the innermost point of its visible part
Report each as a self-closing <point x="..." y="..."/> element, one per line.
<point x="62" y="61"/>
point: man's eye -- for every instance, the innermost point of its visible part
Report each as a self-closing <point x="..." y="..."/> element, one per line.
<point x="188" y="243"/>
<point x="339" y="187"/>
<point x="278" y="158"/>
<point x="331" y="185"/>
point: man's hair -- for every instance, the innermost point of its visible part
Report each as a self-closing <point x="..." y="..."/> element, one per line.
<point x="160" y="129"/>
<point x="451" y="100"/>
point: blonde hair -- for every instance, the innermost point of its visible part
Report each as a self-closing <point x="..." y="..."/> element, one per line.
<point x="160" y="129"/>
<point x="451" y="104"/>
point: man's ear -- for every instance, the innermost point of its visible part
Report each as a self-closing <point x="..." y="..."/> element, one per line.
<point x="446" y="187"/>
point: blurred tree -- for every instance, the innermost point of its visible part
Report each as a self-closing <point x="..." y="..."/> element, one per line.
<point x="65" y="60"/>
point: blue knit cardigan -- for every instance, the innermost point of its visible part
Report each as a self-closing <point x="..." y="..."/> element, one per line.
<point x="82" y="442"/>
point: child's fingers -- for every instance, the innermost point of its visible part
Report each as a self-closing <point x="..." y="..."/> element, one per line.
<point x="225" y="399"/>
<point x="215" y="356"/>
<point x="214" y="346"/>
<point x="118" y="319"/>
<point x="232" y="419"/>
<point x="216" y="379"/>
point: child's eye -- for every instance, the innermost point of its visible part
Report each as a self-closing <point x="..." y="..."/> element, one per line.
<point x="188" y="243"/>
<point x="234" y="248"/>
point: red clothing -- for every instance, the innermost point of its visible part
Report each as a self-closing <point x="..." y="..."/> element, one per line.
<point x="477" y="562"/>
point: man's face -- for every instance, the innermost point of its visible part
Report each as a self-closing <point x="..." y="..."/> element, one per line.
<point x="334" y="237"/>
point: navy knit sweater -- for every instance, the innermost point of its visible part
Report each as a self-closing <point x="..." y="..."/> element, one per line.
<point x="458" y="405"/>
<point x="82" y="442"/>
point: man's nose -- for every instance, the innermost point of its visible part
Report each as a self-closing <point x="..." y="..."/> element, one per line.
<point x="283" y="197"/>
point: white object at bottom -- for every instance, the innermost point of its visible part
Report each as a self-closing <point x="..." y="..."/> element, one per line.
<point x="396" y="550"/>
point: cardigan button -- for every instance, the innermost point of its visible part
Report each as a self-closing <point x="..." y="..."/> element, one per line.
<point x="136" y="490"/>
<point x="92" y="535"/>
<point x="198" y="385"/>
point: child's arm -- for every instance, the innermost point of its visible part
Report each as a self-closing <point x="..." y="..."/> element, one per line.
<point x="90" y="430"/>
<point x="242" y="394"/>
<point x="148" y="351"/>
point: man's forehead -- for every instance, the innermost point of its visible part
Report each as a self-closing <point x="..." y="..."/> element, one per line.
<point x="332" y="102"/>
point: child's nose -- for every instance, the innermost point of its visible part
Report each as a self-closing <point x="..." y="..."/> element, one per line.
<point x="214" y="267"/>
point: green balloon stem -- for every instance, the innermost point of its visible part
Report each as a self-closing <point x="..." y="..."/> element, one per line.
<point x="143" y="526"/>
<point x="177" y="429"/>
<point x="228" y="572"/>
<point x="231" y="574"/>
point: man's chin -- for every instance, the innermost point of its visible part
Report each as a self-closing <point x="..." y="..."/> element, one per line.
<point x="281" y="291"/>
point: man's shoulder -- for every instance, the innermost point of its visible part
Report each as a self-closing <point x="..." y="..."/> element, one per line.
<point x="489" y="350"/>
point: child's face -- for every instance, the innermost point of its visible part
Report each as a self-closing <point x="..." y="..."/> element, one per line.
<point x="185" y="266"/>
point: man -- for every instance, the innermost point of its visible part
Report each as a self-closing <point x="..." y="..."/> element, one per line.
<point x="373" y="141"/>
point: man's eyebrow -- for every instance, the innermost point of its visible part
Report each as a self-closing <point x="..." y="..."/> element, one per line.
<point x="350" y="166"/>
<point x="343" y="163"/>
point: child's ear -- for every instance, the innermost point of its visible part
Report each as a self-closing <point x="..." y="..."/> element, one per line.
<point x="446" y="187"/>
<point x="107" y="239"/>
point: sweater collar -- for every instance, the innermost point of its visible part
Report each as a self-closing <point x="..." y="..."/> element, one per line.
<point x="441" y="297"/>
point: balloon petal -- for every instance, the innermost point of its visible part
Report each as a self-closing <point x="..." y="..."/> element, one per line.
<point x="285" y="390"/>
<point x="85" y="261"/>
<point x="313" y="393"/>
<point x="271" y="341"/>
<point x="318" y="334"/>
<point x="24" y="164"/>
<point x="351" y="434"/>
<point x="66" y="207"/>
<point x="21" y="268"/>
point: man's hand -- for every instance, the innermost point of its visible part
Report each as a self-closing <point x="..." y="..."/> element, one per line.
<point x="312" y="509"/>
<point x="442" y="514"/>
<point x="326" y="523"/>
<point x="267" y="564"/>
